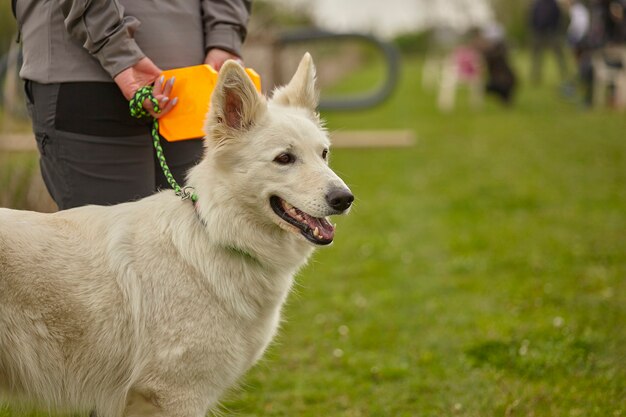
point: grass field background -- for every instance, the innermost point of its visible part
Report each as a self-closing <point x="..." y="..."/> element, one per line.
<point x="481" y="272"/>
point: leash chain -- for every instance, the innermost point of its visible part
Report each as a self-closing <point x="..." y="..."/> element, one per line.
<point x="137" y="110"/>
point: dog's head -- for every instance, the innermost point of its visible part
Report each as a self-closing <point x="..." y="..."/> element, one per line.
<point x="274" y="153"/>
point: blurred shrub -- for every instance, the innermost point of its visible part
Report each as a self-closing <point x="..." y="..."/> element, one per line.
<point x="414" y="43"/>
<point x="513" y="15"/>
<point x="268" y="18"/>
<point x="22" y="186"/>
<point x="8" y="27"/>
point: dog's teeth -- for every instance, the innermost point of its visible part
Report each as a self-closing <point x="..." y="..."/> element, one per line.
<point x="316" y="232"/>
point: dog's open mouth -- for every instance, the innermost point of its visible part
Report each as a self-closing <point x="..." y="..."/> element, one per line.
<point x="316" y="229"/>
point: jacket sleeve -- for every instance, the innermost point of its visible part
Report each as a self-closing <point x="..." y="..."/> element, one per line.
<point x="104" y="32"/>
<point x="225" y="24"/>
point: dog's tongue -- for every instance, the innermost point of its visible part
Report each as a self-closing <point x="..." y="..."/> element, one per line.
<point x="317" y="227"/>
<point x="325" y="230"/>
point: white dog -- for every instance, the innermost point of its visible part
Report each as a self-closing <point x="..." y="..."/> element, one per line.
<point x="156" y="307"/>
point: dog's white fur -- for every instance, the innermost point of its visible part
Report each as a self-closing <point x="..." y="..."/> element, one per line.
<point x="155" y="307"/>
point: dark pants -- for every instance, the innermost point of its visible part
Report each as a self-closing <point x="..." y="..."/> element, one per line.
<point x="540" y="43"/>
<point x="92" y="151"/>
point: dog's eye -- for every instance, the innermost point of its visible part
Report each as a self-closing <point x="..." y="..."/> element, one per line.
<point x="325" y="154"/>
<point x="285" y="159"/>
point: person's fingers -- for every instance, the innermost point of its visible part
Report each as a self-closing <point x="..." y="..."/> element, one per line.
<point x="158" y="86"/>
<point x="161" y="99"/>
<point x="167" y="89"/>
<point x="169" y="106"/>
<point x="149" y="107"/>
<point x="163" y="102"/>
<point x="166" y="107"/>
<point x="161" y="91"/>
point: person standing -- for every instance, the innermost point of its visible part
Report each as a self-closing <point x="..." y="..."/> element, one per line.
<point x="579" y="22"/>
<point x="501" y="79"/>
<point x="83" y="61"/>
<point x="546" y="24"/>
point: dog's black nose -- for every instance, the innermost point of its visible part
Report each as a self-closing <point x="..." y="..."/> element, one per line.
<point x="340" y="199"/>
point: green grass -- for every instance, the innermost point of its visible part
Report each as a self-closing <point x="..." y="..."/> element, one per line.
<point x="481" y="272"/>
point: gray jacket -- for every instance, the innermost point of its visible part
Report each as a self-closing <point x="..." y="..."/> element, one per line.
<point x="94" y="40"/>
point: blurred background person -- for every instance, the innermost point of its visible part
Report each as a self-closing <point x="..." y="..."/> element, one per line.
<point x="601" y="49"/>
<point x="501" y="79"/>
<point x="579" y="21"/>
<point x="545" y="23"/>
<point x="615" y="11"/>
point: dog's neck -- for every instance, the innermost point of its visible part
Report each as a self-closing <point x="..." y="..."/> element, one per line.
<point x="233" y="229"/>
<point x="265" y="244"/>
<point x="246" y="256"/>
<point x="255" y="271"/>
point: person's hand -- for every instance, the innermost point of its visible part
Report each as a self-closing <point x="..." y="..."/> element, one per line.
<point x="145" y="73"/>
<point x="216" y="58"/>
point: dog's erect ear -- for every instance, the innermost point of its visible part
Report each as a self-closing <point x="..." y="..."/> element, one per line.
<point x="301" y="90"/>
<point x="235" y="103"/>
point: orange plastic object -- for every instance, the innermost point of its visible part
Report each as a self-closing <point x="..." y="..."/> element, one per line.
<point x="193" y="87"/>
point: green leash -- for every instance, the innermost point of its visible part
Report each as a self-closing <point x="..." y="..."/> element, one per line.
<point x="137" y="110"/>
